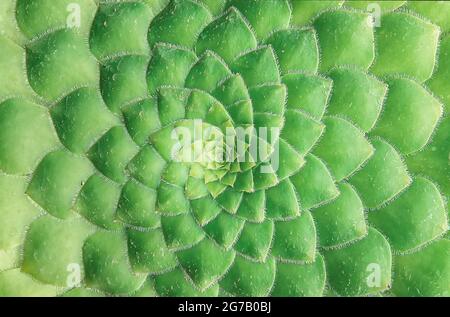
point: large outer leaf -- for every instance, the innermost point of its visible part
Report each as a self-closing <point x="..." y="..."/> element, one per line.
<point x="356" y="197"/>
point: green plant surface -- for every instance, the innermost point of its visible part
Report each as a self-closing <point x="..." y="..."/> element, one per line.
<point x="93" y="203"/>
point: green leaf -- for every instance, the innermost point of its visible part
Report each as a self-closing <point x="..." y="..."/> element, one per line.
<point x="176" y="174"/>
<point x="198" y="104"/>
<point x="314" y="183"/>
<point x="14" y="81"/>
<point x="181" y="231"/>
<point x="385" y="6"/>
<point x="195" y="188"/>
<point x="310" y="129"/>
<point x="308" y="93"/>
<point x="264" y="16"/>
<point x="248" y="278"/>
<point x="387" y="174"/>
<point x="252" y="206"/>
<point x="207" y="73"/>
<point x="264" y="176"/>
<point x="224" y="229"/>
<point x="411" y="109"/>
<point x="232" y="90"/>
<point x="406" y="44"/>
<point x="343" y="147"/>
<point x="356" y="96"/>
<point x="291" y="160"/>
<point x="269" y="98"/>
<point x="16" y="283"/>
<point x="424" y="273"/>
<point x="18" y="212"/>
<point x="112" y="26"/>
<point x="439" y="82"/>
<point x="341" y="221"/>
<point x="228" y="36"/>
<point x="29" y="15"/>
<point x="82" y="292"/>
<point x="52" y="246"/>
<point x="106" y="264"/>
<point x="141" y="120"/>
<point x="438" y="12"/>
<point x="97" y="201"/>
<point x="295" y="240"/>
<point x="147" y="289"/>
<point x="241" y="112"/>
<point x="179" y="23"/>
<point x="255" y="240"/>
<point x="415" y="218"/>
<point x="205" y="263"/>
<point x="26" y="136"/>
<point x="137" y="205"/>
<point x="171" y="200"/>
<point x="304" y="11"/>
<point x="214" y="6"/>
<point x="59" y="62"/>
<point x="297" y="50"/>
<point x="58" y="180"/>
<point x="244" y="182"/>
<point x="147" y="167"/>
<point x="112" y="153"/>
<point x="171" y="104"/>
<point x="432" y="161"/>
<point x="300" y="279"/>
<point x="122" y="80"/>
<point x="281" y="201"/>
<point x="230" y="200"/>
<point x="81" y="118"/>
<point x="176" y="284"/>
<point x="219" y="117"/>
<point x="361" y="268"/>
<point x="169" y="66"/>
<point x="215" y="188"/>
<point x="204" y="209"/>
<point x="164" y="142"/>
<point x="345" y="38"/>
<point x="257" y="67"/>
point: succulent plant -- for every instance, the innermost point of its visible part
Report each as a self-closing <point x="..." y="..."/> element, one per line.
<point x="92" y="201"/>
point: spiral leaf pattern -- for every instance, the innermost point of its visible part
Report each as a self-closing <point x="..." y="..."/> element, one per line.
<point x="93" y="202"/>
